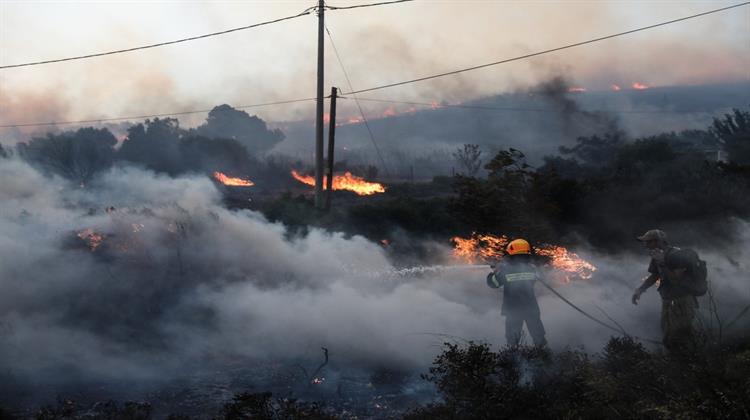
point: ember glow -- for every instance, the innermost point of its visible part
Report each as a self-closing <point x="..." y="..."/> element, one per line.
<point x="577" y="89"/>
<point x="616" y="88"/>
<point x="491" y="249"/>
<point x="639" y="86"/>
<point x="232" y="181"/>
<point x="91" y="238"/>
<point x="347" y="181"/>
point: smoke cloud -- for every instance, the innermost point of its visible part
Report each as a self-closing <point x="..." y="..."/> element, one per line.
<point x="176" y="279"/>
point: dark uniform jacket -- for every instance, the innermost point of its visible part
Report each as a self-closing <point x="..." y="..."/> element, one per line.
<point x="516" y="275"/>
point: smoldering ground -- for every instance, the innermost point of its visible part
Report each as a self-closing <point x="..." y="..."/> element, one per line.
<point x="140" y="277"/>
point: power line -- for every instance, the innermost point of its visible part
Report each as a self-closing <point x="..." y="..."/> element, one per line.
<point x="361" y="112"/>
<point x="437" y="105"/>
<point x="136" y="117"/>
<point x="366" y="5"/>
<point x="522" y="57"/>
<point x="160" y="44"/>
<point x="307" y="11"/>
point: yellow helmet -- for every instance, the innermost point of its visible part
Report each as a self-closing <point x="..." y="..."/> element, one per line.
<point x="518" y="246"/>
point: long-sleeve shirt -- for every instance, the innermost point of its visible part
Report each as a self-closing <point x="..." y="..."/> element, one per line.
<point x="517" y="277"/>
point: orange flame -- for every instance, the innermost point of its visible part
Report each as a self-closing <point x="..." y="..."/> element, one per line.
<point x="570" y="264"/>
<point x="489" y="248"/>
<point x="92" y="239"/>
<point x="640" y="86"/>
<point x="479" y="248"/>
<point x="616" y="88"/>
<point x="231" y="181"/>
<point x="344" y="182"/>
<point x="577" y="89"/>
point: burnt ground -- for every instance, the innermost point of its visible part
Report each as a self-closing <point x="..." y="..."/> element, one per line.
<point x="201" y="391"/>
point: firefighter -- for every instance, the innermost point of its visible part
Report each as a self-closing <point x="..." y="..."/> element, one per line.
<point x="669" y="266"/>
<point x="517" y="275"/>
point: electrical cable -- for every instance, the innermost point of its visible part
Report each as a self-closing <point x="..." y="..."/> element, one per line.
<point x="362" y="113"/>
<point x="437" y="105"/>
<point x="136" y="117"/>
<point x="538" y="53"/>
<point x="160" y="44"/>
<point x="366" y="5"/>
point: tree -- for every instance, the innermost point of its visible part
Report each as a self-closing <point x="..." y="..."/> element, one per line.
<point x="226" y="122"/>
<point x="596" y="150"/>
<point x="154" y="144"/>
<point x="733" y="133"/>
<point x="468" y="158"/>
<point x="3" y="153"/>
<point x="199" y="153"/>
<point x="73" y="155"/>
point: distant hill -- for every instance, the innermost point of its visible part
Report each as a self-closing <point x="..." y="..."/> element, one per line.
<point x="537" y="122"/>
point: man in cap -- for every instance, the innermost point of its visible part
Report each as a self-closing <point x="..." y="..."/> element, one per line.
<point x="517" y="275"/>
<point x="668" y="266"/>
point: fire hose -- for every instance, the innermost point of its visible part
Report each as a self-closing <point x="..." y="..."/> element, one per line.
<point x="589" y="316"/>
<point x="593" y="318"/>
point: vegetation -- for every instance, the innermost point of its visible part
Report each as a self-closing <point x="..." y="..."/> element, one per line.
<point x="624" y="381"/>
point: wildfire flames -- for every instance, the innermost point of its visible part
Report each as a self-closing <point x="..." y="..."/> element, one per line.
<point x="344" y="182"/>
<point x="232" y="181"/>
<point x="479" y="248"/>
<point x="488" y="248"/>
<point x="640" y="86"/>
<point x="577" y="89"/>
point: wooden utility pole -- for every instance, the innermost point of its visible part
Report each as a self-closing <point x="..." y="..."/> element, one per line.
<point x="319" y="113"/>
<point x="331" y="137"/>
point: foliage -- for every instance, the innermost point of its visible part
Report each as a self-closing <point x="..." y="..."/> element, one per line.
<point x="733" y="133"/>
<point x="624" y="381"/>
<point x="75" y="155"/>
<point x="507" y="201"/>
<point x="469" y="158"/>
<point x="155" y="145"/>
<point x="250" y="131"/>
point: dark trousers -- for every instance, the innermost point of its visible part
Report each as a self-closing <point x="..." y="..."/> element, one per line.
<point x="677" y="323"/>
<point x="514" y="326"/>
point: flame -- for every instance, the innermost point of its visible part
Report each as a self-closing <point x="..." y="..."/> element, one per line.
<point x="576" y="89"/>
<point x="92" y="238"/>
<point x="344" y="182"/>
<point x="616" y="88"/>
<point x="479" y="248"/>
<point x="231" y="181"/>
<point x="489" y="248"/>
<point x="640" y="86"/>
<point x="568" y="263"/>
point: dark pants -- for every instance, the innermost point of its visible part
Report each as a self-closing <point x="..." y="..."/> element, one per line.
<point x="677" y="323"/>
<point x="514" y="325"/>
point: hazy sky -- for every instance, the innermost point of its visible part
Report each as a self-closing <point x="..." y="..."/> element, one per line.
<point x="378" y="45"/>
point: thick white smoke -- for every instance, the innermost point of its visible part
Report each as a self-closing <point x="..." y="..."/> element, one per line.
<point x="178" y="278"/>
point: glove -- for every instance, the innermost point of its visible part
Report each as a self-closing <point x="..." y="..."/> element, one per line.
<point x="636" y="296"/>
